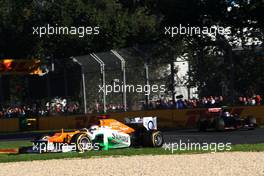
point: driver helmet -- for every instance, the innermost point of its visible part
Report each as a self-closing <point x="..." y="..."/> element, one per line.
<point x="93" y="128"/>
<point x="226" y="114"/>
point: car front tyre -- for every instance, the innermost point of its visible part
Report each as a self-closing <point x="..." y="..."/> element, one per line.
<point x="82" y="142"/>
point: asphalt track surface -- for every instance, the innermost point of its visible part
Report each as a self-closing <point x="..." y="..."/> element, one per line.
<point x="242" y="136"/>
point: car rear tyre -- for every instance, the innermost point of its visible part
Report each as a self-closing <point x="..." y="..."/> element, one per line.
<point x="202" y="124"/>
<point x="152" y="139"/>
<point x="157" y="139"/>
<point x="220" y="124"/>
<point x="252" y="122"/>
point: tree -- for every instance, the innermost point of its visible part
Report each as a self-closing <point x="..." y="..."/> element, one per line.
<point x="119" y="27"/>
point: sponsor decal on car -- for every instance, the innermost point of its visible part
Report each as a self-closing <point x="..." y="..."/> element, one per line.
<point x="120" y="137"/>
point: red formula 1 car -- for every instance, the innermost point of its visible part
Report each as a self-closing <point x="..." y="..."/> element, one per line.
<point x="221" y="119"/>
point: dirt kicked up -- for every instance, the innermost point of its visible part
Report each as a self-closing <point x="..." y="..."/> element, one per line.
<point x="236" y="163"/>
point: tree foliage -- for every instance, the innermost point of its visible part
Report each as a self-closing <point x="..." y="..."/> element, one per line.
<point x="119" y="27"/>
<point x="129" y="23"/>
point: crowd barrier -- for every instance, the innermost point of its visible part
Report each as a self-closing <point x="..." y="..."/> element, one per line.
<point x="9" y="125"/>
<point x="167" y="118"/>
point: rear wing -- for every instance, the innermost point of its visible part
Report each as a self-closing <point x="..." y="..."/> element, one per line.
<point x="150" y="123"/>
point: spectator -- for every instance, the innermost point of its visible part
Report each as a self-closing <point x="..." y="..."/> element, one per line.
<point x="180" y="104"/>
<point x="258" y="100"/>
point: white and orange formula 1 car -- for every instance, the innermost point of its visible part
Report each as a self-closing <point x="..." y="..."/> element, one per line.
<point x="106" y="134"/>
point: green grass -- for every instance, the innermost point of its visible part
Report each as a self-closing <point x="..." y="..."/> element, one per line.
<point x="14" y="144"/>
<point x="248" y="147"/>
<point x="112" y="152"/>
